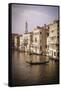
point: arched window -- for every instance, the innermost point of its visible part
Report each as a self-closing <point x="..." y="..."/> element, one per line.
<point x="35" y="39"/>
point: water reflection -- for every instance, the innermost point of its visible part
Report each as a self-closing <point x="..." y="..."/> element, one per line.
<point x="25" y="74"/>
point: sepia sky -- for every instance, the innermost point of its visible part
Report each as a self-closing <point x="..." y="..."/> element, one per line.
<point x="34" y="15"/>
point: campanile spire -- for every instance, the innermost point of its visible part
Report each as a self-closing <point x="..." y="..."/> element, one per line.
<point x="26" y="27"/>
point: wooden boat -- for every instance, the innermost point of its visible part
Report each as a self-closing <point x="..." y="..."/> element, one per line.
<point x="37" y="63"/>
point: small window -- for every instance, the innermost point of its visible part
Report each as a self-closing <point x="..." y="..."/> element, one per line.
<point x="47" y="34"/>
<point x="40" y="32"/>
<point x="40" y="47"/>
<point x="46" y="46"/>
<point x="35" y="39"/>
<point x="54" y="53"/>
<point x="57" y="53"/>
<point x="52" y="31"/>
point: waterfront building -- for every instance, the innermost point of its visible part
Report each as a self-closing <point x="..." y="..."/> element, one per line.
<point x="48" y="42"/>
<point x="54" y="39"/>
<point x="21" y="46"/>
<point x="42" y="40"/>
<point x="12" y="39"/>
<point x="39" y="40"/>
<point x="15" y="41"/>
<point x="27" y="41"/>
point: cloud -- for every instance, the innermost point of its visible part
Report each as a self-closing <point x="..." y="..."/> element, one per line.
<point x="33" y="13"/>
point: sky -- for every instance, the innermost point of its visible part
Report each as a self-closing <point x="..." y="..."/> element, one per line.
<point x="33" y="15"/>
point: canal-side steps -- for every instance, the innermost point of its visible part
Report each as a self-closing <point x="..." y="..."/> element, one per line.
<point x="37" y="63"/>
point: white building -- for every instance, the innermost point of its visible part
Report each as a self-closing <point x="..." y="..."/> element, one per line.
<point x="36" y="44"/>
<point x="48" y="42"/>
<point x="15" y="40"/>
<point x="27" y="41"/>
<point x="39" y="40"/>
<point x="21" y="46"/>
<point x="53" y="37"/>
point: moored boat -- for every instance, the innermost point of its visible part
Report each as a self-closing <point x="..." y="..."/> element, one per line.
<point x="37" y="63"/>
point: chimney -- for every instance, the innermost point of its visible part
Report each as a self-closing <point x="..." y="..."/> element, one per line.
<point x="44" y="26"/>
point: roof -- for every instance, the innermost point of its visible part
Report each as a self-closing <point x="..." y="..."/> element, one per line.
<point x="28" y="33"/>
<point x="55" y="21"/>
<point x="46" y="27"/>
<point x="14" y="34"/>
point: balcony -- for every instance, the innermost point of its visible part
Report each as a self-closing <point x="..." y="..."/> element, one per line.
<point x="54" y="42"/>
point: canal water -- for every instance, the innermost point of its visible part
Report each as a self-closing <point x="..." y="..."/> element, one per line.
<point x="25" y="74"/>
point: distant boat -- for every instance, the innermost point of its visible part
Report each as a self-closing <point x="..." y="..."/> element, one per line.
<point x="37" y="63"/>
<point x="31" y="53"/>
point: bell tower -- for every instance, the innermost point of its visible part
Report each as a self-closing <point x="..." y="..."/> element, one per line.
<point x="26" y="27"/>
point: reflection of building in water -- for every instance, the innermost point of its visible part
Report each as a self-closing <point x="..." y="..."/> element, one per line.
<point x="39" y="44"/>
<point x="53" y="39"/>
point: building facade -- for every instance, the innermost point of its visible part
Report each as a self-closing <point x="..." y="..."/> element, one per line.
<point x="39" y="40"/>
<point x="15" y="41"/>
<point x="42" y="40"/>
<point x="21" y="46"/>
<point x="27" y="40"/>
<point x="54" y="40"/>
